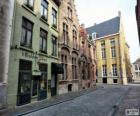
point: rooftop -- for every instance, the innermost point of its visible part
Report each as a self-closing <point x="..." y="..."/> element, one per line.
<point x="105" y="28"/>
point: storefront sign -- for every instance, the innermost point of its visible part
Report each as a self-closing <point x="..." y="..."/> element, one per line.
<point x="29" y="55"/>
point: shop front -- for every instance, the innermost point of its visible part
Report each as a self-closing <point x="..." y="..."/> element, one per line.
<point x="32" y="86"/>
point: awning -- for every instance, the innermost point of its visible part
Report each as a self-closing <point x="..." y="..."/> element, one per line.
<point x="57" y="68"/>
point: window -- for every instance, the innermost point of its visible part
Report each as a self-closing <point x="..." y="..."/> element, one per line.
<point x="65" y="33"/>
<point x="64" y="64"/>
<point x="74" y="68"/>
<point x="43" y="41"/>
<point x="136" y="67"/>
<point x="115" y="80"/>
<point x="29" y="4"/>
<point x="54" y="46"/>
<point x="94" y="35"/>
<point x="44" y="9"/>
<point x="103" y="50"/>
<point x="69" y="13"/>
<point x="103" y="53"/>
<point x="114" y="69"/>
<point x="104" y="70"/>
<point x="27" y="28"/>
<point x="54" y="18"/>
<point x="112" y="42"/>
<point x="113" y="52"/>
<point x="74" y="39"/>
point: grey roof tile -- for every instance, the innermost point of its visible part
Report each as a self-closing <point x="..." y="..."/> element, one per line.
<point x="105" y="28"/>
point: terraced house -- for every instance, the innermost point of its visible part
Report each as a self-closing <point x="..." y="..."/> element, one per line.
<point x="87" y="60"/>
<point x="34" y="52"/>
<point x="68" y="47"/>
<point x="111" y="47"/>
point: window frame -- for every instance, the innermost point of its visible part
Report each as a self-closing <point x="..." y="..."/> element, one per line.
<point x="42" y="38"/>
<point x="54" y="18"/>
<point x="54" y="45"/>
<point x="24" y="38"/>
<point x="44" y="8"/>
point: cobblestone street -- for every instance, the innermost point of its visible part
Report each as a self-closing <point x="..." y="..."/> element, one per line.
<point x="97" y="103"/>
<point x="131" y="100"/>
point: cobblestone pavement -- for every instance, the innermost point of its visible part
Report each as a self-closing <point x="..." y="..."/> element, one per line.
<point x="96" y="103"/>
<point x="131" y="100"/>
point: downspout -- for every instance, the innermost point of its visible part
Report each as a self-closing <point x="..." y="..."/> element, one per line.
<point x="6" y="20"/>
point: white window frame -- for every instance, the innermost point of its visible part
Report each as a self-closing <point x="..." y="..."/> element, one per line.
<point x="114" y="70"/>
<point x="104" y="70"/>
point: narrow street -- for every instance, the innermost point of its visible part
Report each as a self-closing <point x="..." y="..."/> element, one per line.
<point x="97" y="103"/>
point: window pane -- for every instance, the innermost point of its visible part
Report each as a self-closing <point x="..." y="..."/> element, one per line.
<point x="41" y="10"/>
<point x="23" y="36"/>
<point x="45" y="13"/>
<point x="31" y="2"/>
<point x="29" y="36"/>
<point x="44" y="45"/>
<point x="25" y="82"/>
<point x="40" y="45"/>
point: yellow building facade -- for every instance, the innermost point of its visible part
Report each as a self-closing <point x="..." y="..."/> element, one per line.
<point x="110" y="48"/>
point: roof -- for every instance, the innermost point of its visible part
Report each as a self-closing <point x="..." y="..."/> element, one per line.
<point x="105" y="28"/>
<point x="137" y="61"/>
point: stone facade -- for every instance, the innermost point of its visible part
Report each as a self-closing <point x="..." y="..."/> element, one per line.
<point x="34" y="52"/>
<point x="110" y="51"/>
<point x="68" y="46"/>
<point x="136" y="70"/>
<point x="87" y="60"/>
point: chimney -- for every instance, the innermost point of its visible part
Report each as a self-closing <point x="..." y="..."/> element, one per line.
<point x="119" y="13"/>
<point x="83" y="25"/>
<point x="94" y="24"/>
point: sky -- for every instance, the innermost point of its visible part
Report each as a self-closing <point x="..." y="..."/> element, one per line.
<point x="96" y="11"/>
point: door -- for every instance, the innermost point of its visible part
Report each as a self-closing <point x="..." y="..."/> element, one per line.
<point x="104" y="80"/>
<point x="39" y="89"/>
<point x="54" y="85"/>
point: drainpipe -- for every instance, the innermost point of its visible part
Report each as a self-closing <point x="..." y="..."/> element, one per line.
<point x="6" y="18"/>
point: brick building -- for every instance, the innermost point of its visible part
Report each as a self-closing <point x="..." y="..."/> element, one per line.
<point x="68" y="47"/>
<point x="87" y="60"/>
<point x="138" y="17"/>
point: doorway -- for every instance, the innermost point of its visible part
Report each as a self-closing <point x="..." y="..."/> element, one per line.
<point x="39" y="90"/>
<point x="54" y="85"/>
<point x="69" y="87"/>
<point x="104" y="80"/>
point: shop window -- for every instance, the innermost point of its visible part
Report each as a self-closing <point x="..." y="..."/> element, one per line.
<point x="24" y="84"/>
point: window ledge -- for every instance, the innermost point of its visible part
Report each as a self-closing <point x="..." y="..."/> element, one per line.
<point x="43" y="54"/>
<point x="43" y="20"/>
<point x="55" y="57"/>
<point x="31" y="11"/>
<point x="25" y="48"/>
<point x="54" y="29"/>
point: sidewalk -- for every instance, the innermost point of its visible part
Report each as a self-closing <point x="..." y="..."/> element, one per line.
<point x="46" y="103"/>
